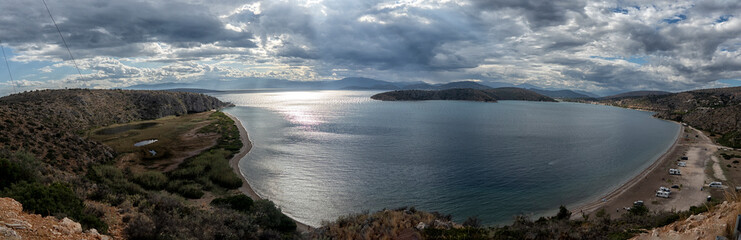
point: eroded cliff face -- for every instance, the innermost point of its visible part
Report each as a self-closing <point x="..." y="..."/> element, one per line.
<point x="50" y="123"/>
<point x="717" y="222"/>
<point x="17" y="225"/>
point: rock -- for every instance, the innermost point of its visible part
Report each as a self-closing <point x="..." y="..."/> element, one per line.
<point x="71" y="226"/>
<point x="9" y="234"/>
<point x="421" y="226"/>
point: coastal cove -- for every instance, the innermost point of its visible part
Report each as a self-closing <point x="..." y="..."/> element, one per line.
<point x="323" y="154"/>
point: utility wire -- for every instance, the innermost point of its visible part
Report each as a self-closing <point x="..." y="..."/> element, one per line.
<point x="64" y="41"/>
<point x="12" y="82"/>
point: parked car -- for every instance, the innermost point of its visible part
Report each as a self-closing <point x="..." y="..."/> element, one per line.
<point x="675" y="186"/>
<point x="638" y="203"/>
<point x="662" y="194"/>
<point x="682" y="164"/>
<point x="715" y="185"/>
<point x="665" y="189"/>
<point x="674" y="171"/>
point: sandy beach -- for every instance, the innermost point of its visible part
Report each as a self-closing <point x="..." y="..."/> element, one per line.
<point x="234" y="164"/>
<point x="691" y="143"/>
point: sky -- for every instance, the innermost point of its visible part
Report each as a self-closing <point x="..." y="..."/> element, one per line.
<point x="597" y="46"/>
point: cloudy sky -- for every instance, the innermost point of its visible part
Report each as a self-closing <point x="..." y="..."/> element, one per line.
<point x="598" y="46"/>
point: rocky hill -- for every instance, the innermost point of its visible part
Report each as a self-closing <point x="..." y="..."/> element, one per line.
<point x="48" y="123"/>
<point x="715" y="110"/>
<point x="717" y="222"/>
<point x="464" y="94"/>
<point x="17" y="225"/>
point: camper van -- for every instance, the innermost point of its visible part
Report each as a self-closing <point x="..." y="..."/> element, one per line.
<point x="715" y="185"/>
<point x="674" y="171"/>
<point x="662" y="194"/>
<point x="682" y="164"/>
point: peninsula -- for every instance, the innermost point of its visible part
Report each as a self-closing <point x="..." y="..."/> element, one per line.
<point x="464" y="94"/>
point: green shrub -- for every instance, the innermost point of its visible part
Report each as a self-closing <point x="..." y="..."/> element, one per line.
<point x="240" y="203"/>
<point x="269" y="216"/>
<point x="17" y="170"/>
<point x="185" y="188"/>
<point x="56" y="199"/>
<point x="228" y="181"/>
<point x="104" y="173"/>
<point x="151" y="180"/>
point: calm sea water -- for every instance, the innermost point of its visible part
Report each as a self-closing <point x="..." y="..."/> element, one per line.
<point x="323" y="154"/>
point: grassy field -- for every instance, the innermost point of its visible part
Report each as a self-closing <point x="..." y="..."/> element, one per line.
<point x="178" y="138"/>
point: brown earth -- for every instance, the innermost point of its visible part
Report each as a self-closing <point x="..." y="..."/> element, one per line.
<point x="717" y="222"/>
<point x="16" y="225"/>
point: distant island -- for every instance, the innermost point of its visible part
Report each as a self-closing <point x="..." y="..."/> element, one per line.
<point x="464" y="94"/>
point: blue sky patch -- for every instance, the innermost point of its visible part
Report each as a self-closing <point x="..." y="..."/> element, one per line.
<point x="724" y="18"/>
<point x="620" y="10"/>
<point x="731" y="82"/>
<point x="675" y="19"/>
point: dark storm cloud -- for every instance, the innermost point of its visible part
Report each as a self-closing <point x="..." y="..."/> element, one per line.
<point x="592" y="44"/>
<point x="539" y="13"/>
<point x="403" y="37"/>
<point x="99" y="24"/>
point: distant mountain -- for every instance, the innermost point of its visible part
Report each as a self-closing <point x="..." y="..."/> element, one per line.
<point x="354" y="83"/>
<point x="465" y="94"/>
<point x="560" y="93"/>
<point x="637" y="94"/>
<point x="587" y="93"/>
<point x="462" y="84"/>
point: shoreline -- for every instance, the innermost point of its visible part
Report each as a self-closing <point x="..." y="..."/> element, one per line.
<point x="246" y="189"/>
<point x="689" y="143"/>
<point x="593" y="206"/>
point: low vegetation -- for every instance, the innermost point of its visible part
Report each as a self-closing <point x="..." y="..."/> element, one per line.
<point x="410" y="222"/>
<point x="53" y="162"/>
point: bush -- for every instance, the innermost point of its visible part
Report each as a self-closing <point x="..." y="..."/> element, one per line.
<point x="56" y="199"/>
<point x="240" y="203"/>
<point x="17" y="170"/>
<point x="269" y="216"/>
<point x="151" y="180"/>
<point x="191" y="191"/>
<point x="228" y="181"/>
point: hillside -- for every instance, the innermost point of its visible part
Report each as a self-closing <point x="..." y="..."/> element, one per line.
<point x="637" y="94"/>
<point x="47" y="123"/>
<point x="560" y="93"/>
<point x="464" y="94"/>
<point x="715" y="110"/>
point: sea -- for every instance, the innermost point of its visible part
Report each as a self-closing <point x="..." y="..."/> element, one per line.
<point x="320" y="155"/>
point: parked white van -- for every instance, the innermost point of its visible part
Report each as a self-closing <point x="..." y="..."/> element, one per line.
<point x="662" y="194"/>
<point x="674" y="171"/>
<point x="715" y="185"/>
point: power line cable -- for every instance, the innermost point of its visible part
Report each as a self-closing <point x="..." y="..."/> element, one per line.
<point x="12" y="82"/>
<point x="63" y="41"/>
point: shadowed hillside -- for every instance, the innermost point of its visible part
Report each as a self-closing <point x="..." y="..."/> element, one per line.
<point x="464" y="94"/>
<point x="715" y="110"/>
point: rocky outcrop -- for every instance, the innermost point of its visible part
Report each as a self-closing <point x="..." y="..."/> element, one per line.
<point x="17" y="225"/>
<point x="716" y="222"/>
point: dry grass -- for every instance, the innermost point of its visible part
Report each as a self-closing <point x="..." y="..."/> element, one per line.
<point x="177" y="139"/>
<point x="386" y="224"/>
